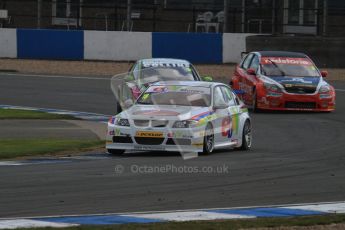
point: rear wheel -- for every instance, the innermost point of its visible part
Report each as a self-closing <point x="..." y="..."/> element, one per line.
<point x="116" y="151"/>
<point x="255" y="102"/>
<point x="246" y="136"/>
<point x="208" y="139"/>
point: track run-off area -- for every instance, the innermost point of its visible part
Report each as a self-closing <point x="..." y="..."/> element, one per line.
<point x="296" y="158"/>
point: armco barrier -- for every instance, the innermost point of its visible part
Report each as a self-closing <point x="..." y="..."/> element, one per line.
<point x="195" y="47"/>
<point x="50" y="44"/>
<point x="8" y="43"/>
<point x="117" y="46"/>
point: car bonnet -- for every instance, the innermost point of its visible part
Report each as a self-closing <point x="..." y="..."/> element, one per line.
<point x="167" y="112"/>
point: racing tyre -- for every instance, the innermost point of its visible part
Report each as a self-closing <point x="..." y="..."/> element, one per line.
<point x="246" y="136"/>
<point x="116" y="151"/>
<point x="255" y="103"/>
<point x="208" y="140"/>
<point x="118" y="108"/>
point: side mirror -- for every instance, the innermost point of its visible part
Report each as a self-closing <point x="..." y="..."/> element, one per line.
<point x="324" y="73"/>
<point x="220" y="106"/>
<point x="128" y="103"/>
<point x="207" y="78"/>
<point x="251" y="72"/>
<point x="238" y="92"/>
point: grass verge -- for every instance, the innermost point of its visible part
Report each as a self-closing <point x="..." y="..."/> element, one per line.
<point x="12" y="148"/>
<point x="319" y="222"/>
<point x="30" y="114"/>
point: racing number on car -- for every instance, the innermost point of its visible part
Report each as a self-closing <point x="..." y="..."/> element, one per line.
<point x="227" y="127"/>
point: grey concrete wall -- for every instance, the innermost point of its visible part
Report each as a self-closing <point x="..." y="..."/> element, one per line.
<point x="117" y="46"/>
<point x="324" y="51"/>
<point x="233" y="45"/>
<point x="8" y="43"/>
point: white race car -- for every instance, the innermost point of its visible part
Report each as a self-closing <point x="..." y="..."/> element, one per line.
<point x="188" y="117"/>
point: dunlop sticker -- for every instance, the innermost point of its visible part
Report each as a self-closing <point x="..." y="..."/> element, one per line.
<point x="149" y="134"/>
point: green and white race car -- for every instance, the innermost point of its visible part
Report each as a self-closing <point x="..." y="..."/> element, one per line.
<point x="147" y="71"/>
<point x="184" y="116"/>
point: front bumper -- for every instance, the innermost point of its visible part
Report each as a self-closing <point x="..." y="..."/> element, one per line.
<point x="297" y="102"/>
<point x="174" y="140"/>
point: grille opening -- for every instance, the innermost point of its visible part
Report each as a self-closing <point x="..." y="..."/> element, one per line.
<point x="122" y="139"/>
<point x="154" y="123"/>
<point x="141" y="123"/>
<point x="300" y="105"/>
<point x="149" y="141"/>
<point x="300" y="90"/>
<point x="178" y="141"/>
<point x="158" y="124"/>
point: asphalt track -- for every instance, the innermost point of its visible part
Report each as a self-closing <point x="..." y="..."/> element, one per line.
<point x="296" y="158"/>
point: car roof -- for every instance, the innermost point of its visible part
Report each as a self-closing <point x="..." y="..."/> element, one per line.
<point x="165" y="60"/>
<point x="188" y="83"/>
<point x="282" y="54"/>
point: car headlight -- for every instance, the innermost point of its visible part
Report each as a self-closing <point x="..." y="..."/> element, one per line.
<point x="272" y="87"/>
<point x="325" y="89"/>
<point x="184" y="124"/>
<point x="122" y="122"/>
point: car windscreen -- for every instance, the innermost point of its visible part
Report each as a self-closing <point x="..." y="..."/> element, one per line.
<point x="284" y="66"/>
<point x="177" y="73"/>
<point x="176" y="95"/>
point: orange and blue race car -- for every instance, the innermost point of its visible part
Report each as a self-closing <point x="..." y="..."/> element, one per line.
<point x="279" y="80"/>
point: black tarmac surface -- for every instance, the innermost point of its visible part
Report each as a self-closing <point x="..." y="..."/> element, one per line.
<point x="296" y="158"/>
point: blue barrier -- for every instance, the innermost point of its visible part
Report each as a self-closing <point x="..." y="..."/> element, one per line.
<point x="195" y="47"/>
<point x="50" y="44"/>
<point x="69" y="45"/>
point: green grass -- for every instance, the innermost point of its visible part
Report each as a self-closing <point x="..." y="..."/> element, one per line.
<point x="225" y="224"/>
<point x="12" y="148"/>
<point x="29" y="114"/>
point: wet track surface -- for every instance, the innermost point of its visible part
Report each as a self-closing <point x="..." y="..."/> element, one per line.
<point x="296" y="158"/>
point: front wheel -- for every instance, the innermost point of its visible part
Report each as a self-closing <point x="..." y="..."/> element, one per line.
<point x="118" y="108"/>
<point x="208" y="139"/>
<point x="246" y="136"/>
<point x="116" y="151"/>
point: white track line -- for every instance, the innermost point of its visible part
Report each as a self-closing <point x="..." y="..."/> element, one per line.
<point x="10" y="163"/>
<point x="340" y="90"/>
<point x="328" y="208"/>
<point x="190" y="216"/>
<point x="296" y="206"/>
<point x="24" y="223"/>
<point x="55" y="111"/>
<point x="206" y="214"/>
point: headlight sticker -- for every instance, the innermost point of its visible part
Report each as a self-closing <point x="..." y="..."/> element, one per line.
<point x="145" y="96"/>
<point x="325" y="96"/>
